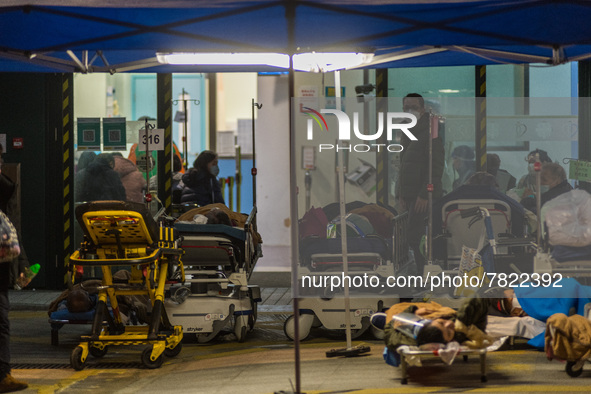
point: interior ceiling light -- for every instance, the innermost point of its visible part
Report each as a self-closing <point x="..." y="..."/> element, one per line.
<point x="327" y="61"/>
<point x="225" y="59"/>
<point x="310" y="62"/>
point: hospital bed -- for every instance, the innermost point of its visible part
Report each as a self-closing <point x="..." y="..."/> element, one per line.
<point x="372" y="255"/>
<point x="215" y="294"/>
<point x="452" y="230"/>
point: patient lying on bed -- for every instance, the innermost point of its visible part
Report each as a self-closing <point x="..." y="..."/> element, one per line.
<point x="220" y="214"/>
<point x="442" y="324"/>
<point x="531" y="305"/>
<point x="79" y="303"/>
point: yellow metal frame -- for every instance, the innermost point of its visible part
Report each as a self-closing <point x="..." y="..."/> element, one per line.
<point x="122" y="238"/>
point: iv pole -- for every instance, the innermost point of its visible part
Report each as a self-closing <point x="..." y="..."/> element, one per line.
<point x="185" y="124"/>
<point x="254" y="164"/>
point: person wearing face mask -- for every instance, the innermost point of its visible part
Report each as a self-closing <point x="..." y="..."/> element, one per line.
<point x="528" y="181"/>
<point x="411" y="188"/>
<point x="200" y="182"/>
<point x="463" y="163"/>
<point x="553" y="183"/>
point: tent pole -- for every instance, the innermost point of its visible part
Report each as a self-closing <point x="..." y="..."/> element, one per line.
<point x="290" y="9"/>
<point x="343" y="213"/>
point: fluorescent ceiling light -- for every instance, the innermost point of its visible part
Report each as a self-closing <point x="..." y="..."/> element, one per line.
<point x="225" y="59"/>
<point x="310" y="62"/>
<point x="449" y="91"/>
<point x="325" y="62"/>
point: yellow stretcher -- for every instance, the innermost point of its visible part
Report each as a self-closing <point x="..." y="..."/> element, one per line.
<point x="123" y="234"/>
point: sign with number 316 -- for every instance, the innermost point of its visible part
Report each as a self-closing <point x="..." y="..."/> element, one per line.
<point x="154" y="140"/>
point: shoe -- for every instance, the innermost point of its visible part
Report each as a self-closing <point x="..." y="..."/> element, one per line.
<point x="378" y="320"/>
<point x="10" y="384"/>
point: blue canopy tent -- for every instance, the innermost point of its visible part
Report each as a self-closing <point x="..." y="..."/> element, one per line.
<point x="118" y="36"/>
<point x="124" y="35"/>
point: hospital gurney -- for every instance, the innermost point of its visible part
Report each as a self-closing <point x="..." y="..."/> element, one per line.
<point x="372" y="255"/>
<point x="218" y="262"/>
<point x="412" y="352"/>
<point x="119" y="234"/>
<point x="452" y="230"/>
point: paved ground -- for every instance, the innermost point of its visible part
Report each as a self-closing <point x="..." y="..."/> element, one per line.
<point x="264" y="363"/>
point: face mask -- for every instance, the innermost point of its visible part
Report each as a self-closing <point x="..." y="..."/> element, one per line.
<point x="544" y="188"/>
<point x="214" y="170"/>
<point x="530" y="167"/>
<point x="415" y="113"/>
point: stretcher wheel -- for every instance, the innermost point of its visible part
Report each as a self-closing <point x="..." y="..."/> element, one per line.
<point x="483" y="379"/>
<point x="147" y="361"/>
<point x="174" y="351"/>
<point x="98" y="353"/>
<point x="202" y="338"/>
<point x="316" y="323"/>
<point x="404" y="381"/>
<point x="76" y="359"/>
<point x="240" y="327"/>
<point x="252" y="318"/>
<point x="573" y="373"/>
<point x="305" y="326"/>
<point x="376" y="332"/>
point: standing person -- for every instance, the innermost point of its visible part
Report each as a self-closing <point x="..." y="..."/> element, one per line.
<point x="414" y="173"/>
<point x="7" y="382"/>
<point x="463" y="164"/>
<point x="133" y="180"/>
<point x="100" y="181"/>
<point x="200" y="183"/>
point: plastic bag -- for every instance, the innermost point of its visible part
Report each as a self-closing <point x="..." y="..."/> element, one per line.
<point x="470" y="265"/>
<point x="568" y="218"/>
<point x="9" y="246"/>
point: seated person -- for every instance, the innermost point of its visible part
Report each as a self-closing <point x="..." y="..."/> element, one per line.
<point x="528" y="180"/>
<point x="553" y="182"/>
<point x="201" y="185"/>
<point x="463" y="163"/>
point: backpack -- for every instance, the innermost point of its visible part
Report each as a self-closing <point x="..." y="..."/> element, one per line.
<point x="313" y="224"/>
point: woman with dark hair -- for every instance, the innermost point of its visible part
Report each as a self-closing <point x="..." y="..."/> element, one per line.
<point x="200" y="182"/>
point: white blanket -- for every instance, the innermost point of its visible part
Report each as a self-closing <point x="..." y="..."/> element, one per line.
<point x="524" y="327"/>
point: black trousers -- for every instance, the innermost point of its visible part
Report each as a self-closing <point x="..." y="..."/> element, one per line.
<point x="415" y="231"/>
<point x="4" y="324"/>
